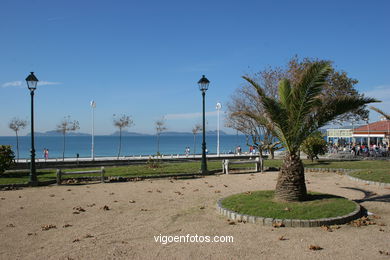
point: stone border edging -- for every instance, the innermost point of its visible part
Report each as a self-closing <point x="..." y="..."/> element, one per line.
<point x="357" y="213"/>
<point x="377" y="183"/>
<point x="340" y="170"/>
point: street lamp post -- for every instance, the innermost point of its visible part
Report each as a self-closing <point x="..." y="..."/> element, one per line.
<point x="218" y="107"/>
<point x="203" y="86"/>
<point x="93" y="105"/>
<point x="32" y="85"/>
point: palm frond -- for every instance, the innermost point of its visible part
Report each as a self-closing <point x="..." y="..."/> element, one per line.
<point x="338" y="106"/>
<point x="285" y="93"/>
<point x="274" y="112"/>
<point x="387" y="116"/>
<point x="310" y="86"/>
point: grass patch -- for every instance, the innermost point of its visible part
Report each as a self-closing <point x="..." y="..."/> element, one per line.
<point x="379" y="175"/>
<point x="364" y="164"/>
<point x="262" y="204"/>
<point x="16" y="177"/>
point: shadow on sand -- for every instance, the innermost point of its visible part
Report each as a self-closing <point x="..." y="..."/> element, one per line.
<point x="370" y="196"/>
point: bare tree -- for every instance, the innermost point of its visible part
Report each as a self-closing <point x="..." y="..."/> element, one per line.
<point x="17" y="124"/>
<point x="257" y="132"/>
<point x="66" y="125"/>
<point x="160" y="127"/>
<point x="195" y="130"/>
<point x="122" y="122"/>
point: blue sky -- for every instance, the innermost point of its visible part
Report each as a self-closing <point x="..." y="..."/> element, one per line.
<point x="144" y="58"/>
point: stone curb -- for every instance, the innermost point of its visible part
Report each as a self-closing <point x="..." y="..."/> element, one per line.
<point x="380" y="184"/>
<point x="357" y="213"/>
<point x="339" y="170"/>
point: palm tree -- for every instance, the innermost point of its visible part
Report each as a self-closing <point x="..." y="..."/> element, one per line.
<point x="387" y="116"/>
<point x="300" y="110"/>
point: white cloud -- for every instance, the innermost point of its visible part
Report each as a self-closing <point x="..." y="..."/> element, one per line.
<point x="19" y="83"/>
<point x="45" y="83"/>
<point x="12" y="84"/>
<point x="190" y="115"/>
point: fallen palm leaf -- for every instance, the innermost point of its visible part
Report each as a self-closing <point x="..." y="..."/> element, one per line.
<point x="277" y="224"/>
<point x="78" y="208"/>
<point x="327" y="228"/>
<point x="384" y="252"/>
<point x="315" y="248"/>
<point x="231" y="222"/>
<point x="47" y="227"/>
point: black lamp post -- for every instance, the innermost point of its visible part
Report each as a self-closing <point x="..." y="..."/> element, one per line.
<point x="32" y="85"/>
<point x="203" y="86"/>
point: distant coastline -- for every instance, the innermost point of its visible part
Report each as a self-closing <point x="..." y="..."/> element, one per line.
<point x="125" y="133"/>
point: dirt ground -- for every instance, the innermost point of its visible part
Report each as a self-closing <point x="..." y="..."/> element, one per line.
<point x="83" y="228"/>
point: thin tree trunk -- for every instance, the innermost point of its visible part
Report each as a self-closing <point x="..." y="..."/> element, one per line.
<point x="194" y="144"/>
<point x="158" y="144"/>
<point x="17" y="144"/>
<point x="120" y="142"/>
<point x="291" y="180"/>
<point x="63" y="147"/>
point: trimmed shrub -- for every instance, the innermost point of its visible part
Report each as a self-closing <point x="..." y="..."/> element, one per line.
<point x="7" y="157"/>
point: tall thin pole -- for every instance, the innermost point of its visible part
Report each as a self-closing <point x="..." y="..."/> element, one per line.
<point x="218" y="109"/>
<point x="33" y="175"/>
<point x="204" y="163"/>
<point x="93" y="105"/>
<point x="368" y="139"/>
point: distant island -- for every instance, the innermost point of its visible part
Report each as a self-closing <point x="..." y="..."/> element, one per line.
<point x="55" y="133"/>
<point x="124" y="133"/>
<point x="168" y="133"/>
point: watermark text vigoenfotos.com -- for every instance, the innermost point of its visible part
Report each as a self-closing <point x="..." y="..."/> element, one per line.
<point x="164" y="239"/>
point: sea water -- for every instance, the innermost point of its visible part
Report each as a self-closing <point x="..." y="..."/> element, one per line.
<point x="131" y="145"/>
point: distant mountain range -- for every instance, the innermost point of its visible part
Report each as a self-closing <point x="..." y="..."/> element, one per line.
<point x="170" y="133"/>
<point x="55" y="133"/>
<point x="124" y="133"/>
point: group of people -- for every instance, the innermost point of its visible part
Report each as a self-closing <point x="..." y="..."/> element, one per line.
<point x="372" y="150"/>
<point x="357" y="149"/>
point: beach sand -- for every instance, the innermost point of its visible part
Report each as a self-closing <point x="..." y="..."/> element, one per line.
<point x="177" y="207"/>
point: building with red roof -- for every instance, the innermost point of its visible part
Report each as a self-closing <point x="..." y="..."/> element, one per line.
<point x="374" y="133"/>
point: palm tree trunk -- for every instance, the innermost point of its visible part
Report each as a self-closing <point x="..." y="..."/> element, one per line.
<point x="291" y="180"/>
<point x="17" y="144"/>
<point x="120" y="142"/>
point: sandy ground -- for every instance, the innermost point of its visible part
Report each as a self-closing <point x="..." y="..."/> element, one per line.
<point x="178" y="207"/>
